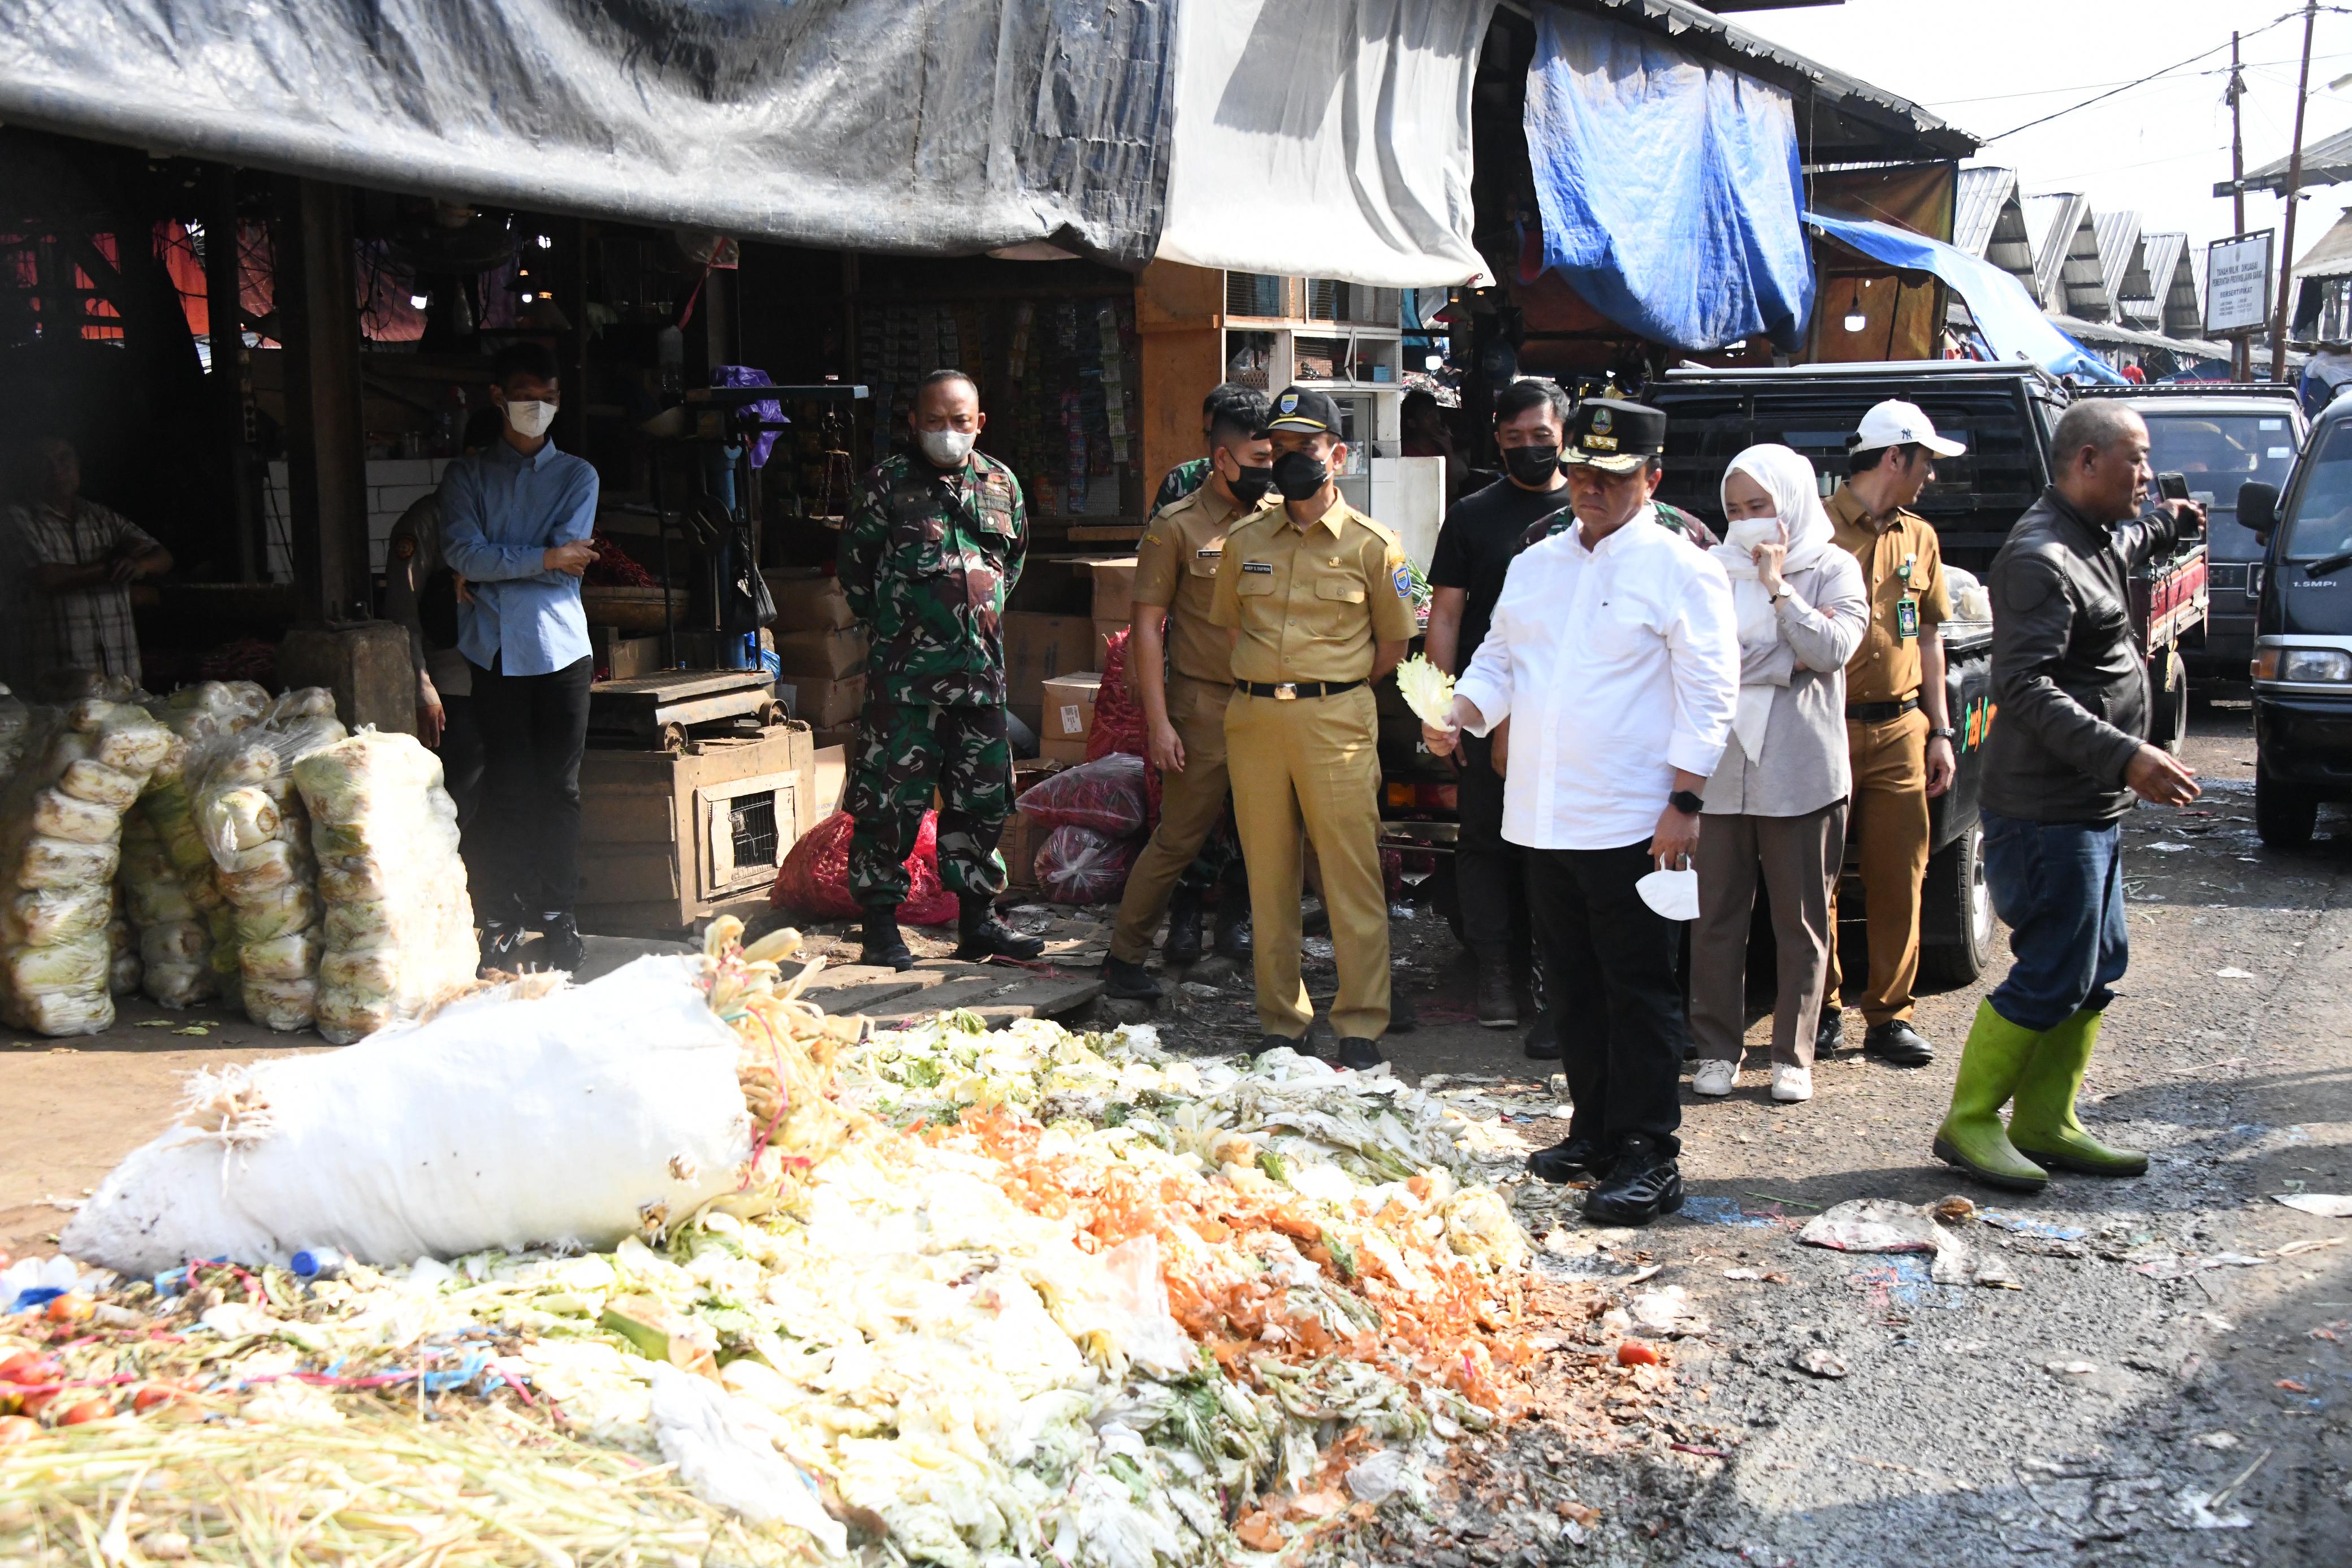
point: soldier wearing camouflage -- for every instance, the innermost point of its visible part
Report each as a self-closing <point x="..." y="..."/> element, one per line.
<point x="930" y="554"/>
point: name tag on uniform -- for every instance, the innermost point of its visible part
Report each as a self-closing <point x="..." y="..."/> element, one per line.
<point x="1264" y="566"/>
<point x="1215" y="553"/>
<point x="1906" y="618"/>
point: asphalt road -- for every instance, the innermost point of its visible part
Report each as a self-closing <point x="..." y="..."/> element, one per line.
<point x="2175" y="1336"/>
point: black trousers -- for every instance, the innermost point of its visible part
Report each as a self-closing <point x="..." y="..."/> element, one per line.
<point x="527" y="832"/>
<point x="1488" y="875"/>
<point x="461" y="774"/>
<point x="1610" y="964"/>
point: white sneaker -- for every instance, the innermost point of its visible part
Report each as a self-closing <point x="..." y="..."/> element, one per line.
<point x="1714" y="1078"/>
<point x="1793" y="1084"/>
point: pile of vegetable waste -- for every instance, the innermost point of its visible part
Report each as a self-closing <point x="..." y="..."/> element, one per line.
<point x="980" y="1297"/>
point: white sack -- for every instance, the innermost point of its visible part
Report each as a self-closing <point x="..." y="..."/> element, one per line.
<point x="499" y="1122"/>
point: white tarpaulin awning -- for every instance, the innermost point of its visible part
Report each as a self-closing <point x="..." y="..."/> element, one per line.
<point x="1325" y="138"/>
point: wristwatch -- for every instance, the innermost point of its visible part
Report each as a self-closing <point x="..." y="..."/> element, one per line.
<point x="1685" y="801"/>
<point x="1943" y="732"/>
<point x="1783" y="591"/>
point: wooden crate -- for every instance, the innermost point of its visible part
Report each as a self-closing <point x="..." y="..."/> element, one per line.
<point x="669" y="839"/>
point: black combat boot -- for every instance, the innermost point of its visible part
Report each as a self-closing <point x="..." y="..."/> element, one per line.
<point x="884" y="947"/>
<point x="1183" y="948"/>
<point x="980" y="935"/>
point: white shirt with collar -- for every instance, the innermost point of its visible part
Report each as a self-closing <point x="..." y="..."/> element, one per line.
<point x="1617" y="666"/>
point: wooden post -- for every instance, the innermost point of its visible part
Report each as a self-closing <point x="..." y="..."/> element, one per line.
<point x="2294" y="189"/>
<point x="1179" y="315"/>
<point x="2241" y="350"/>
<point x="224" y="309"/>
<point x="326" y="451"/>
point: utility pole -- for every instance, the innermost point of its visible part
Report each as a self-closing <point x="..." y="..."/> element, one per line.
<point x="2242" y="353"/>
<point x="2294" y="191"/>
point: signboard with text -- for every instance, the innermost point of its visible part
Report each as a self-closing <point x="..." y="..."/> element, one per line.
<point x="2238" y="284"/>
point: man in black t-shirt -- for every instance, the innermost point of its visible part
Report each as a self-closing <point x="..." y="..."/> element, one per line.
<point x="1482" y="535"/>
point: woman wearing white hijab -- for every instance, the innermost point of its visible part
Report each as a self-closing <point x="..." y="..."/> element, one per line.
<point x="1778" y="798"/>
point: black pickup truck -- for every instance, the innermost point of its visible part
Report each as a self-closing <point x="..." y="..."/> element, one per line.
<point x="2005" y="414"/>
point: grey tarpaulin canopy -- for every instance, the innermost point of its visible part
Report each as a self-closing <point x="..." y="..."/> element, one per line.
<point x="925" y="126"/>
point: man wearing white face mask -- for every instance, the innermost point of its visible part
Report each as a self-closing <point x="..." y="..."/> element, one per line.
<point x="516" y="518"/>
<point x="1778" y="798"/>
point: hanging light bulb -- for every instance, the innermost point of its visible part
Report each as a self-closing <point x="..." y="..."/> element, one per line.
<point x="419" y="301"/>
<point x="529" y="297"/>
<point x="1855" y="321"/>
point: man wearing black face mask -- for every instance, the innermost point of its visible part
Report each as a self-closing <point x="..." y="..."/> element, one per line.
<point x="1475" y="550"/>
<point x="1183" y="676"/>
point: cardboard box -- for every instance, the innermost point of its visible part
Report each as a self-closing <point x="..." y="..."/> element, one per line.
<point x="830" y="654"/>
<point x="1069" y="707"/>
<point x="1113" y="587"/>
<point x="1104" y="631"/>
<point x="844" y="736"/>
<point x="1071" y="752"/>
<point x="1039" y="647"/>
<point x="623" y="657"/>
<point x="823" y="704"/>
<point x="1023" y="836"/>
<point x="832" y="779"/>
<point x="808" y="601"/>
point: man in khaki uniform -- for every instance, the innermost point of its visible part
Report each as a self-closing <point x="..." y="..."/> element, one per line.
<point x="1898" y="726"/>
<point x="1317" y="597"/>
<point x="1184" y="710"/>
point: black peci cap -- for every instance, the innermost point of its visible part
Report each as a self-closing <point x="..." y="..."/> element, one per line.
<point x="1298" y="408"/>
<point x="1615" y="436"/>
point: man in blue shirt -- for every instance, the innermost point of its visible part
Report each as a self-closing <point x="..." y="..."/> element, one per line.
<point x="515" y="523"/>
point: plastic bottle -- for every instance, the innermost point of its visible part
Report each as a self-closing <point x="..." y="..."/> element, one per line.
<point x="320" y="1264"/>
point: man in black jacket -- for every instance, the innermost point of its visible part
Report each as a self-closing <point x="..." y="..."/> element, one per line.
<point x="2060" y="768"/>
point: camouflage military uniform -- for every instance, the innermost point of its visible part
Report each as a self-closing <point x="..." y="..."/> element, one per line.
<point x="928" y="560"/>
<point x="1180" y="481"/>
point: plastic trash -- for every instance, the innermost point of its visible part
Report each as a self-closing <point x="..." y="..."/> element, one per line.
<point x="319" y="1263"/>
<point x="717" y="1441"/>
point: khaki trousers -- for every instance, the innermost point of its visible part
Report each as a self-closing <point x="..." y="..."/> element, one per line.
<point x="1889" y="814"/>
<point x="1798" y="857"/>
<point x="1308" y="771"/>
<point x="1191" y="802"/>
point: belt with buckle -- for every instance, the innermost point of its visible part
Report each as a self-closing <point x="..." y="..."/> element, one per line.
<point x="1286" y="691"/>
<point x="1880" y="713"/>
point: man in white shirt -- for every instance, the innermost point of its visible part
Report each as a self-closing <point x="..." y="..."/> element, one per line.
<point x="1615" y="650"/>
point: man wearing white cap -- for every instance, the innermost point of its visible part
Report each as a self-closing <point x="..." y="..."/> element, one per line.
<point x="1898" y="727"/>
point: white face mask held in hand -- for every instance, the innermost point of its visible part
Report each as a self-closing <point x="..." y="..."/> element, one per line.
<point x="530" y="419"/>
<point x="947" y="448"/>
<point x="1673" y="893"/>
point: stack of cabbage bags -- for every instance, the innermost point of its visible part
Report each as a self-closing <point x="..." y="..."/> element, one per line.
<point x="15" y="717"/>
<point x="253" y="823"/>
<point x="400" y="927"/>
<point x="60" y="842"/>
<point x="188" y="930"/>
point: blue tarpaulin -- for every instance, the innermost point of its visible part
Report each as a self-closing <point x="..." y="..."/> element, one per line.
<point x="1670" y="187"/>
<point x="2013" y="326"/>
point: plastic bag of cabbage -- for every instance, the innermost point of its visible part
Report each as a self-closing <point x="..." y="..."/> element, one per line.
<point x="253" y="823"/>
<point x="60" y="842"/>
<point x="186" y="928"/>
<point x="399" y="925"/>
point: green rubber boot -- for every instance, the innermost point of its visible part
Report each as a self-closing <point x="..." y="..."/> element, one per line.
<point x="2044" y="1122"/>
<point x="1992" y="1064"/>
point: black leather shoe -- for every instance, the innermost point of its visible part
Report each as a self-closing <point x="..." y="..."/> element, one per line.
<point x="1897" y="1044"/>
<point x="1233" y="937"/>
<point x="1498" y="1001"/>
<point x="980" y="935"/>
<point x="1265" y="1042"/>
<point x="1184" y="947"/>
<point x="1542" y="1041"/>
<point x="883" y="947"/>
<point x="1641" y="1184"/>
<point x="1121" y="978"/>
<point x="1831" y="1034"/>
<point x="559" y="947"/>
<point x="1572" y="1157"/>
<point x="1360" y="1054"/>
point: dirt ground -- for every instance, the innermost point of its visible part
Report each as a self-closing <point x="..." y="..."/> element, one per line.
<point x="2168" y="1385"/>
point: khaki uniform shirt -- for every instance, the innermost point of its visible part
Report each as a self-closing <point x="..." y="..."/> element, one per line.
<point x="1901" y="561"/>
<point x="1176" y="569"/>
<point x="1311" y="603"/>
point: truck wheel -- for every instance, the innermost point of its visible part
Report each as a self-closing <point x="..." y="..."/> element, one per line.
<point x="2169" y="685"/>
<point x="2284" y="815"/>
<point x="1956" y="915"/>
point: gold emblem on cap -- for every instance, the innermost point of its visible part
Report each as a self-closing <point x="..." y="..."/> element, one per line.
<point x="1602" y="421"/>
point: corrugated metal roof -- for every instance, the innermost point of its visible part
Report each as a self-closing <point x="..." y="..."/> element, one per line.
<point x="2108" y="332"/>
<point x="2332" y="257"/>
<point x="1977" y="207"/>
<point x="2171" y="306"/>
<point x="2121" y="266"/>
<point x="2059" y="226"/>
<point x="1700" y="29"/>
<point x="2327" y="161"/>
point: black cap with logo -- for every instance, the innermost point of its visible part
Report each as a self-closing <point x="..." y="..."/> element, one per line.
<point x="1301" y="408"/>
<point x="1615" y="436"/>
